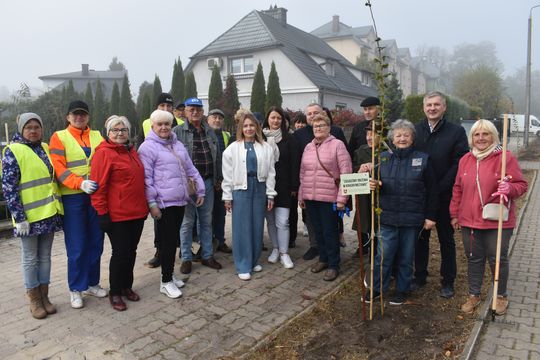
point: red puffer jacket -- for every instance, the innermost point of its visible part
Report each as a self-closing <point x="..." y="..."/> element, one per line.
<point x="120" y="175"/>
<point x="466" y="205"/>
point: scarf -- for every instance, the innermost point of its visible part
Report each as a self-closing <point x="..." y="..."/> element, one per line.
<point x="480" y="155"/>
<point x="276" y="134"/>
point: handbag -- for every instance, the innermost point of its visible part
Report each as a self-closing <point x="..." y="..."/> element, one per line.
<point x="191" y="183"/>
<point x="490" y="211"/>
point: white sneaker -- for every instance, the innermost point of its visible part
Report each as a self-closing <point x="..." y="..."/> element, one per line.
<point x="257" y="268"/>
<point x="170" y="289"/>
<point x="305" y="232"/>
<point x="274" y="256"/>
<point x="76" y="299"/>
<point x="244" y="276"/>
<point x="96" y="291"/>
<point x="179" y="283"/>
<point x="286" y="261"/>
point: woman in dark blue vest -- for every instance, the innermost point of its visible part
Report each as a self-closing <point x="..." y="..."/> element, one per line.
<point x="408" y="199"/>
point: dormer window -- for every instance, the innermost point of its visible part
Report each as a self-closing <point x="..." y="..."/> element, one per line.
<point x="328" y="68"/>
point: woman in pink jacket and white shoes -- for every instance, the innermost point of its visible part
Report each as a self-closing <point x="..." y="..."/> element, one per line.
<point x="323" y="161"/>
<point x="477" y="184"/>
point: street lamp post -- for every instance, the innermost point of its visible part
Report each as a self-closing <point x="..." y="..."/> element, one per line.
<point x="528" y="81"/>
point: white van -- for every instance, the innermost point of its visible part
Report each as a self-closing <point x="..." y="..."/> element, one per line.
<point x="517" y="123"/>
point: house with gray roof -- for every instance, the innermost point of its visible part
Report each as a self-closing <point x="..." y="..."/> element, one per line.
<point x="309" y="69"/>
<point x="83" y="77"/>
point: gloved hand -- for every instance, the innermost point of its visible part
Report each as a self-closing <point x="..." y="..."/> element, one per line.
<point x="105" y="222"/>
<point x="89" y="186"/>
<point x="23" y="228"/>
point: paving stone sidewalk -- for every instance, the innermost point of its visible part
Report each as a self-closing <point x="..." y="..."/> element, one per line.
<point x="218" y="315"/>
<point x="516" y="335"/>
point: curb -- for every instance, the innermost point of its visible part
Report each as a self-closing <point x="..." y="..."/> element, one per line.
<point x="483" y="313"/>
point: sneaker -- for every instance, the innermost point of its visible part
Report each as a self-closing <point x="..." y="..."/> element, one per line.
<point x="211" y="263"/>
<point x="376" y="295"/>
<point x="224" y="248"/>
<point x="286" y="261"/>
<point x="305" y="232"/>
<point x="76" y="299"/>
<point x="501" y="306"/>
<point x="472" y="302"/>
<point x="185" y="268"/>
<point x="257" y="268"/>
<point x="244" y="276"/>
<point x="154" y="262"/>
<point x="179" y="283"/>
<point x="447" y="291"/>
<point x="274" y="256"/>
<point x="170" y="290"/>
<point x="96" y="291"/>
<point x="311" y="253"/>
<point x="397" y="299"/>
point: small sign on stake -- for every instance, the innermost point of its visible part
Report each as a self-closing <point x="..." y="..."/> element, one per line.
<point x="356" y="183"/>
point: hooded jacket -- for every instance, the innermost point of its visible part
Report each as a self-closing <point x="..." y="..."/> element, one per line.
<point x="315" y="183"/>
<point x="167" y="166"/>
<point x="120" y="175"/>
<point x="466" y="205"/>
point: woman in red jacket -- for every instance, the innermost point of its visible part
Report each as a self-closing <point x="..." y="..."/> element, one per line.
<point x="121" y="205"/>
<point x="477" y="184"/>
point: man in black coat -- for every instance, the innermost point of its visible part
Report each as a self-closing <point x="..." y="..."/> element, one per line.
<point x="303" y="137"/>
<point x="370" y="105"/>
<point x="445" y="143"/>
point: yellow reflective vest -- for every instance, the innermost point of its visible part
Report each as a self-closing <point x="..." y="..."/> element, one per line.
<point x="76" y="161"/>
<point x="226" y="137"/>
<point x="38" y="190"/>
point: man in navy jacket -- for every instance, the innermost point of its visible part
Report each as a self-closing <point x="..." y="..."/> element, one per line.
<point x="445" y="143"/>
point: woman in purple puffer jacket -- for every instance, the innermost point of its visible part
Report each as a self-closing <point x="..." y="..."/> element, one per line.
<point x="167" y="168"/>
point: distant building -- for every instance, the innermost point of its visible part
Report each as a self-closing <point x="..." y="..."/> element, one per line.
<point x="82" y="78"/>
<point x="309" y="69"/>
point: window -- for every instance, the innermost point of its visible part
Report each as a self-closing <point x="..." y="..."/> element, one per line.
<point x="341" y="106"/>
<point x="241" y="65"/>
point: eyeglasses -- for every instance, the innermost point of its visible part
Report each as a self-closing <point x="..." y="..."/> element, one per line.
<point x="196" y="110"/>
<point x="320" y="126"/>
<point x="117" y="131"/>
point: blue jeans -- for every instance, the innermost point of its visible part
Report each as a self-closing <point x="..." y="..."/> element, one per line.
<point x="203" y="215"/>
<point x="84" y="241"/>
<point x="324" y="220"/>
<point x="249" y="207"/>
<point x="218" y="217"/>
<point x="396" y="241"/>
<point x="36" y="259"/>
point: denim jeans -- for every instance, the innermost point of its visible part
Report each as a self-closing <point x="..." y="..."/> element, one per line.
<point x="323" y="218"/>
<point x="277" y="222"/>
<point x="36" y="259"/>
<point x="396" y="242"/>
<point x="203" y="215"/>
<point x="249" y="207"/>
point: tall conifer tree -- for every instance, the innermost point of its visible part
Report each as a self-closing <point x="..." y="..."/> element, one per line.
<point x="273" y="93"/>
<point x="258" y="92"/>
<point x="215" y="90"/>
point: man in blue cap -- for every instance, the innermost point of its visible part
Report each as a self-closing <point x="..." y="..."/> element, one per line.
<point x="202" y="145"/>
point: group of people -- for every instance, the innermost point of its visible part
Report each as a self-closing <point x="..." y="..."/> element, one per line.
<point x="188" y="172"/>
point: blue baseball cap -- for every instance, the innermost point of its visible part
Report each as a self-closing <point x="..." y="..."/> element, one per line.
<point x="193" y="102"/>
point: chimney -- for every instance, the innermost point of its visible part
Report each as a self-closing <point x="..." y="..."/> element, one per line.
<point x="280" y="14"/>
<point x="335" y="23"/>
<point x="85" y="71"/>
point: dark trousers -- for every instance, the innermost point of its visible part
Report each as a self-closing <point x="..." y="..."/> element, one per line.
<point x="445" y="232"/>
<point x="156" y="235"/>
<point x="293" y="219"/>
<point x="169" y="231"/>
<point x="218" y="217"/>
<point x="124" y="237"/>
<point x="324" y="221"/>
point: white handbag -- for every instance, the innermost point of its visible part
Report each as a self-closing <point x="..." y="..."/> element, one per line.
<point x="490" y="211"/>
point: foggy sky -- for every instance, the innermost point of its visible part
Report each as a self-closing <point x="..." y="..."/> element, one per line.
<point x="56" y="36"/>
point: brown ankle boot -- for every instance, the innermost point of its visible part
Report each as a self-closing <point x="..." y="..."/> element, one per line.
<point x="36" y="305"/>
<point x="49" y="308"/>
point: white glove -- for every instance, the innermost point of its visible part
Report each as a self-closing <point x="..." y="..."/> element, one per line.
<point x="23" y="228"/>
<point x="89" y="186"/>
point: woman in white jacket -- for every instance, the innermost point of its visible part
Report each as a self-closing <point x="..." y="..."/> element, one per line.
<point x="248" y="184"/>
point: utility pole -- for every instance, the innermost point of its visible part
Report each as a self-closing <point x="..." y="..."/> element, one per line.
<point x="528" y="81"/>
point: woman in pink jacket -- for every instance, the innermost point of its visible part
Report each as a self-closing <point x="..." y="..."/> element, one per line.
<point x="477" y="184"/>
<point x="323" y="161"/>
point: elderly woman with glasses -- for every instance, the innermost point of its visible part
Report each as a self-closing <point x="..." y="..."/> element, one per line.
<point x="408" y="199"/>
<point x="325" y="158"/>
<point x="120" y="204"/>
